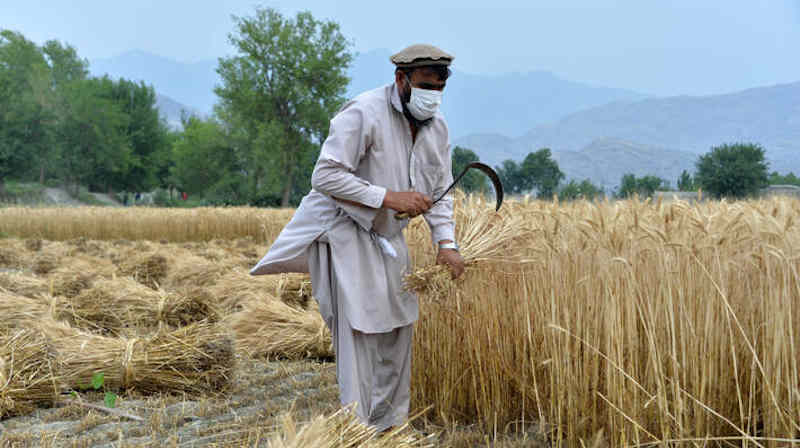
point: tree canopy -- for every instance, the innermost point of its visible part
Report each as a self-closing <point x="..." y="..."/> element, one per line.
<point x="473" y="181"/>
<point x="57" y="122"/>
<point x="732" y="170"/>
<point x="278" y="93"/>
<point x="538" y="172"/>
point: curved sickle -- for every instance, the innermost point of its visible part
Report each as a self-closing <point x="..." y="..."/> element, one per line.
<point x="486" y="169"/>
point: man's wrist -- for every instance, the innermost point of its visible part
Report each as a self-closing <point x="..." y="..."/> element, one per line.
<point x="447" y="244"/>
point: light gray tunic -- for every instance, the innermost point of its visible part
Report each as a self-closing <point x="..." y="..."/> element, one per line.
<point x="369" y="149"/>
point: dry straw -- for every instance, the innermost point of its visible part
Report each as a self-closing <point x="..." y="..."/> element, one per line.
<point x="27" y="367"/>
<point x="268" y="327"/>
<point x="343" y="430"/>
<point x="124" y="306"/>
<point x="238" y="286"/>
<point x="198" y="358"/>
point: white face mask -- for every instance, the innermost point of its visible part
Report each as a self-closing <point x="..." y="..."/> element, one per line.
<point x="424" y="103"/>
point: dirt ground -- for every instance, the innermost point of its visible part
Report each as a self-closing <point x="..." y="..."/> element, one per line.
<point x="247" y="415"/>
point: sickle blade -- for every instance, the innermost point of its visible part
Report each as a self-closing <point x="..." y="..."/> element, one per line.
<point x="498" y="186"/>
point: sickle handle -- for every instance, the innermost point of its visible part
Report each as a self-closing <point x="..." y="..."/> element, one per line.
<point x="401" y="215"/>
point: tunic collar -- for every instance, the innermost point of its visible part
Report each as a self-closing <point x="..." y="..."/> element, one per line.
<point x="395" y="99"/>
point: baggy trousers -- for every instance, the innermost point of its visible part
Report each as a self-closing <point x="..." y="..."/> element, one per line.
<point x="373" y="369"/>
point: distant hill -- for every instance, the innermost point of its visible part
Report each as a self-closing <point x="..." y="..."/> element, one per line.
<point x="507" y="104"/>
<point x="647" y="136"/>
<point x="172" y="110"/>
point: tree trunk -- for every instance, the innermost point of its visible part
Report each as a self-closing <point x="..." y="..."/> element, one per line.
<point x="41" y="174"/>
<point x="287" y="188"/>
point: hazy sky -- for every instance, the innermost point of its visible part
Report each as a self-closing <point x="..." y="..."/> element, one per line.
<point x="653" y="46"/>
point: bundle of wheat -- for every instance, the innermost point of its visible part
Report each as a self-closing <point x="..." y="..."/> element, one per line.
<point x="294" y="289"/>
<point x="44" y="264"/>
<point x="343" y="429"/>
<point x="24" y="285"/>
<point x="27" y="368"/>
<point x="10" y="258"/>
<point x="148" y="269"/>
<point x="19" y="311"/>
<point x="125" y="306"/>
<point x="197" y="358"/>
<point x="484" y="237"/>
<point x="77" y="274"/>
<point x="269" y="327"/>
<point x="192" y="271"/>
<point x="33" y="245"/>
<point x="237" y="287"/>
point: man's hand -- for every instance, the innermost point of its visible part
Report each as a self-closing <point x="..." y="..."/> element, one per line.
<point x="452" y="259"/>
<point x="409" y="202"/>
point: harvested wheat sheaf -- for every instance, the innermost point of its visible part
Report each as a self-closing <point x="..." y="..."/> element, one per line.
<point x="148" y="269"/>
<point x="24" y="285"/>
<point x="198" y="358"/>
<point x="124" y="306"/>
<point x="27" y="372"/>
<point x="268" y="327"/>
<point x="343" y="429"/>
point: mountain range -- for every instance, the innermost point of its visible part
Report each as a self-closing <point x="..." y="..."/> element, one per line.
<point x="597" y="133"/>
<point x="658" y="135"/>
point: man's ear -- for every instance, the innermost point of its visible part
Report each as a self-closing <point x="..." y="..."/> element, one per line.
<point x="399" y="78"/>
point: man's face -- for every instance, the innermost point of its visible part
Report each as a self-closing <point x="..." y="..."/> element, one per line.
<point x="421" y="78"/>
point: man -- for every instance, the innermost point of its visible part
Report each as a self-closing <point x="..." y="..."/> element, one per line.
<point x="387" y="153"/>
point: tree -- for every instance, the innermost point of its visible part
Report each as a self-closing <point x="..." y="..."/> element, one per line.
<point x="510" y="176"/>
<point x="24" y="116"/>
<point x="280" y="90"/>
<point x="206" y="163"/>
<point x="644" y="186"/>
<point x="789" y="179"/>
<point x="146" y="131"/>
<point x="96" y="149"/>
<point x="472" y="181"/>
<point x="583" y="190"/>
<point x="735" y="170"/>
<point x="685" y="182"/>
<point x="541" y="173"/>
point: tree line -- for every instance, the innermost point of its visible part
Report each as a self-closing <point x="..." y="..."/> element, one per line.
<point x="57" y="122"/>
<point x="736" y="170"/>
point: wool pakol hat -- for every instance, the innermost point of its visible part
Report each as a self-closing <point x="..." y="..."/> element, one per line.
<point x="420" y="55"/>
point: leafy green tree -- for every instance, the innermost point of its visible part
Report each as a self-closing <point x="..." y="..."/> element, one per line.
<point x="24" y="115"/>
<point x="579" y="190"/>
<point x="286" y="81"/>
<point x="146" y="131"/>
<point x="735" y="170"/>
<point x="644" y="186"/>
<point x="65" y="68"/>
<point x="510" y="175"/>
<point x="541" y="173"/>
<point x="685" y="182"/>
<point x="788" y="179"/>
<point x="206" y="163"/>
<point x="95" y="150"/>
<point x="473" y="181"/>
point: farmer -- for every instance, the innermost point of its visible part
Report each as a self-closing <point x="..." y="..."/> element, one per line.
<point x="387" y="153"/>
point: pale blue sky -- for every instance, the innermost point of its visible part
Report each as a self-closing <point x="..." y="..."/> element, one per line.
<point x="658" y="47"/>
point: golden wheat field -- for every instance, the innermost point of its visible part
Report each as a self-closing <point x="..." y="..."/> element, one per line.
<point x="628" y="323"/>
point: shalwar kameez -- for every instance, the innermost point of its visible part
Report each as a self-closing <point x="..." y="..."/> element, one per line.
<point x="357" y="255"/>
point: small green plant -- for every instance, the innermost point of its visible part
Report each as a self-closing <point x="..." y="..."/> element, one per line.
<point x="97" y="382"/>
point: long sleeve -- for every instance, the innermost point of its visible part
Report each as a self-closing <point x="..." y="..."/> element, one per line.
<point x="440" y="216"/>
<point x="334" y="174"/>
